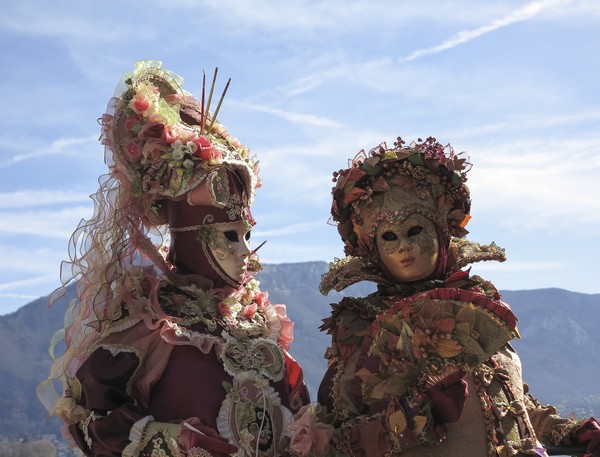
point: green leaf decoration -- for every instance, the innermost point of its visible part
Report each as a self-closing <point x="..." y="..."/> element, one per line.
<point x="416" y="159"/>
<point x="372" y="170"/>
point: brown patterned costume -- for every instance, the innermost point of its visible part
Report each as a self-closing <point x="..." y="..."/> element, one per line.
<point x="425" y="368"/>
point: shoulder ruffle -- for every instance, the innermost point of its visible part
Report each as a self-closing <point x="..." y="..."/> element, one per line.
<point x="465" y="252"/>
<point x="350" y="270"/>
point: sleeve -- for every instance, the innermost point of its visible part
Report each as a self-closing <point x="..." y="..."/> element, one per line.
<point x="111" y="411"/>
<point x="554" y="430"/>
<point x="116" y="425"/>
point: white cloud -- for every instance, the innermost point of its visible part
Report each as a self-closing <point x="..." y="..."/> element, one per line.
<point x="26" y="283"/>
<point x="47" y="223"/>
<point x="530" y="185"/>
<point x="296" y="118"/>
<point x="335" y="16"/>
<point x="289" y="229"/>
<point x="524" y="13"/>
<point x="527" y="123"/>
<point x="29" y="198"/>
<point x="61" y="146"/>
<point x="20" y="296"/>
<point x="76" y="22"/>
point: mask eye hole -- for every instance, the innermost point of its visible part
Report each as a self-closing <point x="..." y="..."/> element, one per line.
<point x="247" y="236"/>
<point x="415" y="230"/>
<point x="231" y="235"/>
<point x="389" y="236"/>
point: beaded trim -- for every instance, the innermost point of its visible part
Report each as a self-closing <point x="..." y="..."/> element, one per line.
<point x="84" y="425"/>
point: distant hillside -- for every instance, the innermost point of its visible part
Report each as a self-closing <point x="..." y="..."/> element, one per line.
<point x="559" y="349"/>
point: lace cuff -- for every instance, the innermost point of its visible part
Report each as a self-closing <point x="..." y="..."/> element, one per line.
<point x="147" y="439"/>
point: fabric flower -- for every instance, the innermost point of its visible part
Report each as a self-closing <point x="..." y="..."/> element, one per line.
<point x="307" y="434"/>
<point x="69" y="411"/>
<point x="139" y="103"/>
<point x="287" y="327"/>
<point x="170" y="134"/>
<point x="224" y="309"/>
<point x="261" y="299"/>
<point x="205" y="152"/>
<point x="133" y="151"/>
<point x="131" y="121"/>
<point x="180" y="149"/>
<point x="249" y="311"/>
<point x="152" y="130"/>
<point x="153" y="149"/>
<point x="216" y="156"/>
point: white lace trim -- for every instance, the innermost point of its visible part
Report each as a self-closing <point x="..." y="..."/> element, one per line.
<point x="136" y="435"/>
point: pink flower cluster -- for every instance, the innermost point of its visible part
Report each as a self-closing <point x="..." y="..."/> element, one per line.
<point x="309" y="437"/>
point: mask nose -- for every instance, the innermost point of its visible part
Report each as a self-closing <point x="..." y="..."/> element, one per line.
<point x="243" y="249"/>
<point x="404" y="245"/>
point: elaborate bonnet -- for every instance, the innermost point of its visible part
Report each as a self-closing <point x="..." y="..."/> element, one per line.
<point x="162" y="142"/>
<point x="390" y="184"/>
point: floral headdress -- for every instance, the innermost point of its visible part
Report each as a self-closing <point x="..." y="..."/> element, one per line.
<point x="162" y="142"/>
<point x="390" y="184"/>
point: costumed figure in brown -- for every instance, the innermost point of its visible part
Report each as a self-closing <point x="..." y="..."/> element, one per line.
<point x="424" y="366"/>
<point x="171" y="348"/>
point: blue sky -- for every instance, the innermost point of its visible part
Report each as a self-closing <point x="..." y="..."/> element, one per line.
<point x="513" y="83"/>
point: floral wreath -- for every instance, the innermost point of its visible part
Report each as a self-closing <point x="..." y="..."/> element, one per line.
<point x="434" y="173"/>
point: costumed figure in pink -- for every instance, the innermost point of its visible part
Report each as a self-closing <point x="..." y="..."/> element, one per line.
<point x="424" y="366"/>
<point x="171" y="348"/>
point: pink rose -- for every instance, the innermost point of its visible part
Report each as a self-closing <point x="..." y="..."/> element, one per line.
<point x="215" y="156"/>
<point x="170" y="134"/>
<point x="224" y="309"/>
<point x="204" y="153"/>
<point x="287" y="327"/>
<point x="249" y="311"/>
<point x="139" y="103"/>
<point x="301" y="442"/>
<point x="307" y="434"/>
<point x="205" y="148"/>
<point x="261" y="299"/>
<point x="202" y="142"/>
<point x="131" y="121"/>
<point x="133" y="151"/>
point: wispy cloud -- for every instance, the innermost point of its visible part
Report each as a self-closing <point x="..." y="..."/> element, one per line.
<point x="289" y="230"/>
<point x="55" y="224"/>
<point x="57" y="147"/>
<point x="527" y="123"/>
<point x="29" y="198"/>
<point x="531" y="185"/>
<point x="524" y="13"/>
<point x="20" y="296"/>
<point x="80" y="23"/>
<point x="296" y="118"/>
<point x="26" y="282"/>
